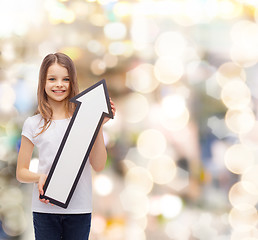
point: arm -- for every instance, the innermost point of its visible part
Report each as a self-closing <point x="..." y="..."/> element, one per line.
<point x="98" y="154"/>
<point x="23" y="174"/>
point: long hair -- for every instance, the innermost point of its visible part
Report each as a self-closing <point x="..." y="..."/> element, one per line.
<point x="44" y="107"/>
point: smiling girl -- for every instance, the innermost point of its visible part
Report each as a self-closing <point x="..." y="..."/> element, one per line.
<point x="45" y="130"/>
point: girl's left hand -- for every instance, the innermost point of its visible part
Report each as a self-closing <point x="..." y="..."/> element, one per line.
<point x="113" y="111"/>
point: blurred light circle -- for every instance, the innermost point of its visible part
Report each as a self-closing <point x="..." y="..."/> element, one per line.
<point x="136" y="232"/>
<point x="97" y="19"/>
<point x="240" y="198"/>
<point x="80" y="9"/>
<point x="250" y="138"/>
<point x="142" y="79"/>
<point x="135" y="202"/>
<point x="8" y="53"/>
<point x="115" y="30"/>
<point x="234" y="158"/>
<point x="171" y="205"/>
<point x="4" y="149"/>
<point x="96" y="47"/>
<point x="245" y="56"/>
<point x="170" y="44"/>
<point x="151" y="143"/>
<point x="244" y="35"/>
<point x="110" y="60"/>
<point x="181" y="180"/>
<point x="69" y="16"/>
<point x="14" y="221"/>
<point x="103" y="185"/>
<point x="98" y="67"/>
<point x="162" y="169"/>
<point x="60" y="13"/>
<point x="139" y="178"/>
<point x="17" y="21"/>
<point x="123" y="8"/>
<point x="176" y="123"/>
<point x="236" y="95"/>
<point x="154" y="209"/>
<point x="116" y="48"/>
<point x="142" y="222"/>
<point x="228" y="9"/>
<point x="251" y="234"/>
<point x="228" y="72"/>
<point x="168" y="70"/>
<point x="73" y="52"/>
<point x="98" y="223"/>
<point x="7" y="97"/>
<point x="243" y="219"/>
<point x="10" y="197"/>
<point x="250" y="238"/>
<point x="104" y="2"/>
<point x="175" y="230"/>
<point x="240" y="121"/>
<point x="244" y="32"/>
<point x="256" y="11"/>
<point x="199" y="71"/>
<point x="173" y="106"/>
<point x="136" y="108"/>
<point x="250" y="180"/>
<point x="188" y="13"/>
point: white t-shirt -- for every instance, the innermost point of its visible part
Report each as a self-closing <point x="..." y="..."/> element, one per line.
<point x="47" y="144"/>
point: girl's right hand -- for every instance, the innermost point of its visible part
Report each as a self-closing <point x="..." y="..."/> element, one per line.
<point x="42" y="180"/>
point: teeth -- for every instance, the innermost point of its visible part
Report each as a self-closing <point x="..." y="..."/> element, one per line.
<point x="58" y="91"/>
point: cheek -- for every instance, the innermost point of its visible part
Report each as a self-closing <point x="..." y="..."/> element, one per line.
<point x="69" y="88"/>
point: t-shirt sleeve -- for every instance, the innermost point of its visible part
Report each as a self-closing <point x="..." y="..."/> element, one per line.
<point x="27" y="130"/>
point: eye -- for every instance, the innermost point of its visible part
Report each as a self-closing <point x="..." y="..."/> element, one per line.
<point x="51" y="79"/>
<point x="66" y="79"/>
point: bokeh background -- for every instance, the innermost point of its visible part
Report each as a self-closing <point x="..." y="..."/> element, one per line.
<point x="182" y="149"/>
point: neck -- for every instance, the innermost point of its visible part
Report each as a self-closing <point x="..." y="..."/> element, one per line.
<point x="59" y="110"/>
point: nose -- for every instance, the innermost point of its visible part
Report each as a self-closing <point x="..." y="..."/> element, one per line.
<point x="59" y="83"/>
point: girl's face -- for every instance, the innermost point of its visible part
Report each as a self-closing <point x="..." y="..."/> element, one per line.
<point x="57" y="85"/>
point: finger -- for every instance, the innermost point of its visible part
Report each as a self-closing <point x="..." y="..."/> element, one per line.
<point x="41" y="190"/>
<point x="114" y="110"/>
<point x="112" y="103"/>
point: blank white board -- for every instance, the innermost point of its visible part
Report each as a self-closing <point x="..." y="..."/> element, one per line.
<point x="93" y="105"/>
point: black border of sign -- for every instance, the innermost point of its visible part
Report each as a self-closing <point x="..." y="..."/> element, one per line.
<point x="74" y="100"/>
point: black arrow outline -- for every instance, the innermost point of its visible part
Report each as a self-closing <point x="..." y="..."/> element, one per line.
<point x="52" y="169"/>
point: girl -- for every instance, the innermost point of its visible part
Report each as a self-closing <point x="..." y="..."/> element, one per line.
<point x="45" y="130"/>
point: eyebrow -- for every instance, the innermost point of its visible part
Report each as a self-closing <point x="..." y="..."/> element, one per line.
<point x="52" y="75"/>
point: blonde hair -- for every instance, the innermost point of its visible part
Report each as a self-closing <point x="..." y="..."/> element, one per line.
<point x="44" y="107"/>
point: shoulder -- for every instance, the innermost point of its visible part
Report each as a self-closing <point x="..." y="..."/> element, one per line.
<point x="31" y="127"/>
<point x="33" y="120"/>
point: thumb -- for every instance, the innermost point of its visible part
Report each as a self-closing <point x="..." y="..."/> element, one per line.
<point x="40" y="189"/>
<point x="40" y="185"/>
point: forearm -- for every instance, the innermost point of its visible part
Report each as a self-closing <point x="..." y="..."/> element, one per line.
<point x="24" y="175"/>
<point x="98" y="155"/>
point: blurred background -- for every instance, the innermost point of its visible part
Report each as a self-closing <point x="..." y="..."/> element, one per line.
<point x="182" y="149"/>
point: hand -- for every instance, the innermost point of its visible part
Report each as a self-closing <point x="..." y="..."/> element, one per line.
<point x="113" y="111"/>
<point x="42" y="180"/>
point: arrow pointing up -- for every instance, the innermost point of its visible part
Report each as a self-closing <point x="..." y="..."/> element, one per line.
<point x="92" y="106"/>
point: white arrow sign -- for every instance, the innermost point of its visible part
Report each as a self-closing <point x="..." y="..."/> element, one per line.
<point x="92" y="106"/>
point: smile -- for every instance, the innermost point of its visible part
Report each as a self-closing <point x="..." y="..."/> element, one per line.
<point x="58" y="91"/>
